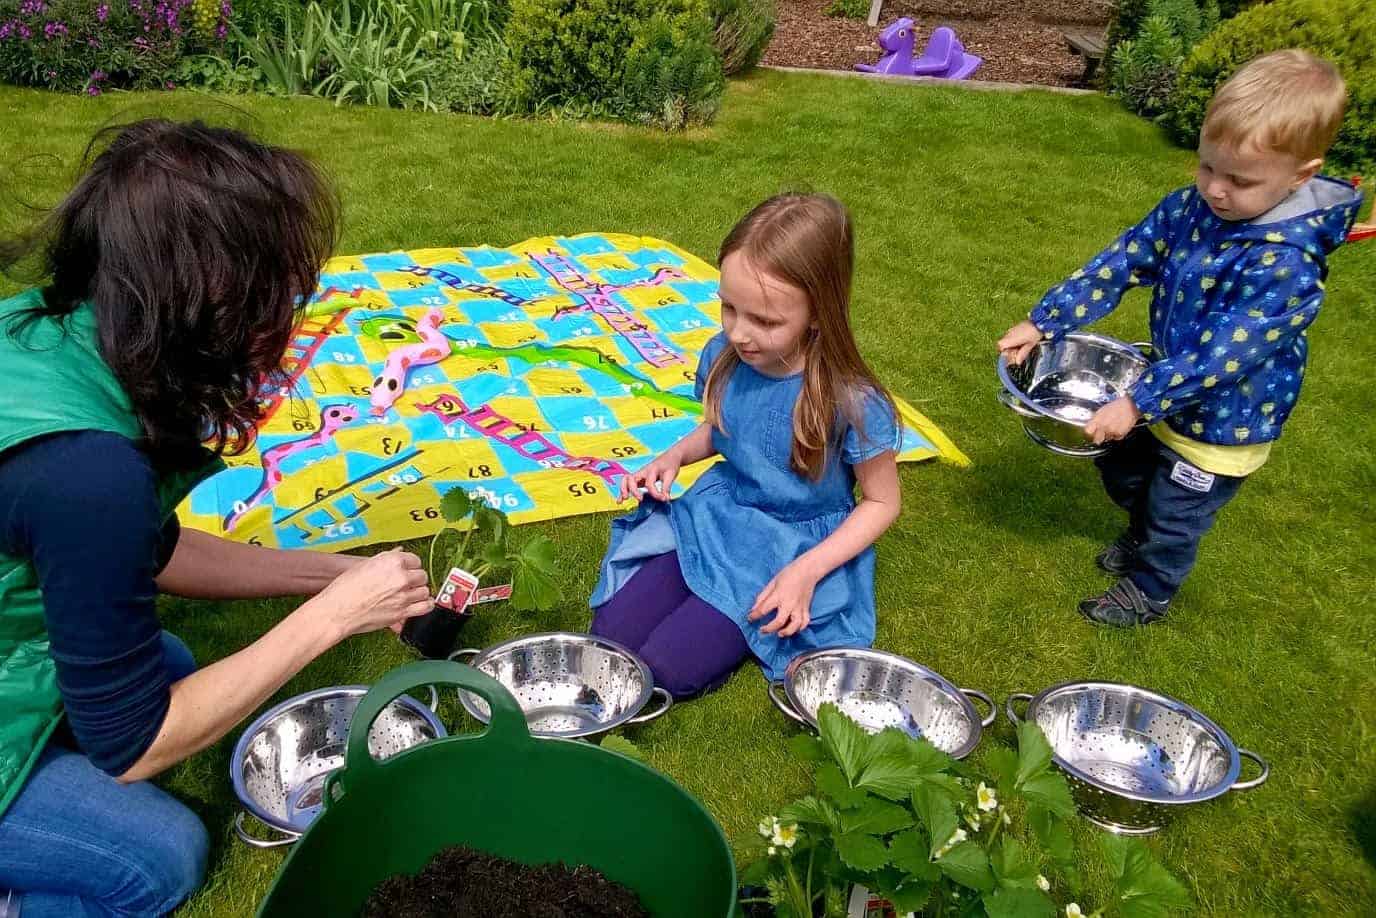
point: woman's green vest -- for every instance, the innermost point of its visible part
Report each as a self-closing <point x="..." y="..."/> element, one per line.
<point x="52" y="379"/>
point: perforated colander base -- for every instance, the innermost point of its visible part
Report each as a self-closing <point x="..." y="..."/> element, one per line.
<point x="877" y="712"/>
<point x="1129" y="778"/>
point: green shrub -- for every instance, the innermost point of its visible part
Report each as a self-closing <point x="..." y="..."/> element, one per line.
<point x="1341" y="31"/>
<point x="629" y="58"/>
<point x="741" y="32"/>
<point x="477" y="83"/>
<point x="1143" y="68"/>
<point x="1130" y="15"/>
<point x="670" y="81"/>
<point x="851" y="9"/>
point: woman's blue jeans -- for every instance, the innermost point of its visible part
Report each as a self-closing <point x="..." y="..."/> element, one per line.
<point x="76" y="842"/>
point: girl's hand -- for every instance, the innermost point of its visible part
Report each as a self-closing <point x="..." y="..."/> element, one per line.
<point x="1114" y="421"/>
<point x="1019" y="341"/>
<point x="789" y="596"/>
<point x="381" y="592"/>
<point x="657" y="478"/>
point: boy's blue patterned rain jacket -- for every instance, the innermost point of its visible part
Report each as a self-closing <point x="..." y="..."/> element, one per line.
<point x="1230" y="305"/>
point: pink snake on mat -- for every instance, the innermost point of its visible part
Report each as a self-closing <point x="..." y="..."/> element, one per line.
<point x="432" y="348"/>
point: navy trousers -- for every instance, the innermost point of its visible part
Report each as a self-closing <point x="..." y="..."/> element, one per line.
<point x="1171" y="504"/>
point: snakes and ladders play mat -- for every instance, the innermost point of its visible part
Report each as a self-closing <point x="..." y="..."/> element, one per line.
<point x="533" y="376"/>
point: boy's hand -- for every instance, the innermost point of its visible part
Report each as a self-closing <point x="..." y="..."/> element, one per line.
<point x="1019" y="341"/>
<point x="656" y="479"/>
<point x="1114" y="421"/>
<point x="789" y="596"/>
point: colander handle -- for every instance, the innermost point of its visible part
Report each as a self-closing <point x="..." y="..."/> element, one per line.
<point x="657" y="712"/>
<point x="1012" y="404"/>
<point x="781" y="702"/>
<point x="249" y="840"/>
<point x="469" y="653"/>
<point x="1259" y="779"/>
<point x="507" y="725"/>
<point x="1008" y="706"/>
<point x="1146" y="347"/>
<point x="993" y="705"/>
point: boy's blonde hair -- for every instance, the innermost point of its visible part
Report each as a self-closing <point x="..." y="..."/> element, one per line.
<point x="1286" y="101"/>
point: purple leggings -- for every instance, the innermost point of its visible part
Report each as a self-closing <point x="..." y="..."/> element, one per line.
<point x="689" y="646"/>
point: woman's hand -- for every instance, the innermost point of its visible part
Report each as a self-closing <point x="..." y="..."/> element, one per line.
<point x="380" y="592"/>
<point x="657" y="478"/>
<point x="373" y="593"/>
<point x="789" y="596"/>
<point x="1019" y="341"/>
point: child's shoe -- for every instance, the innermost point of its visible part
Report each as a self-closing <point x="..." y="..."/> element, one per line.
<point x="1123" y="605"/>
<point x="1118" y="558"/>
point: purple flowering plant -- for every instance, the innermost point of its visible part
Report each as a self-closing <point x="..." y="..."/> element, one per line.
<point x="90" y="46"/>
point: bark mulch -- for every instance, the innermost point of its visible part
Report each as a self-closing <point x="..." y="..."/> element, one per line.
<point x="1020" y="40"/>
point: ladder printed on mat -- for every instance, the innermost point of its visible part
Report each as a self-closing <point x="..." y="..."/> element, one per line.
<point x="532" y="444"/>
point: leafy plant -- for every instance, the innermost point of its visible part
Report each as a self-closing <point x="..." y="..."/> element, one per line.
<point x="618" y="743"/>
<point x="378" y="60"/>
<point x="448" y="24"/>
<point x="290" y="64"/>
<point x="483" y="548"/>
<point x="907" y="821"/>
<point x="850" y="9"/>
<point x="1143" y="69"/>
<point x="477" y="83"/>
<point x="741" y="31"/>
<point x="1129" y="15"/>
<point x="217" y="73"/>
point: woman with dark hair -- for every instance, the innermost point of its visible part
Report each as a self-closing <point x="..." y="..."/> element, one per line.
<point x="174" y="269"/>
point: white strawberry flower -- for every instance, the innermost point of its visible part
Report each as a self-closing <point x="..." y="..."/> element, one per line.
<point x="773" y="850"/>
<point x="767" y="825"/>
<point x="786" y="835"/>
<point x="956" y="838"/>
<point x="1043" y="883"/>
<point x="985" y="797"/>
<point x="1073" y="911"/>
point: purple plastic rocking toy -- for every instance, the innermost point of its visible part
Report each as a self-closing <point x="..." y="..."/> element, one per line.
<point x="944" y="57"/>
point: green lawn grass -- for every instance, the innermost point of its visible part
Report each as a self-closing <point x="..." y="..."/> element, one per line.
<point x="968" y="206"/>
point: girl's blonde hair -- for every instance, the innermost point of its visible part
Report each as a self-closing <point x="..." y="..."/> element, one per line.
<point x="805" y="240"/>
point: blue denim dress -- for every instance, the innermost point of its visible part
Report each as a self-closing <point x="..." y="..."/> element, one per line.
<point x="749" y="516"/>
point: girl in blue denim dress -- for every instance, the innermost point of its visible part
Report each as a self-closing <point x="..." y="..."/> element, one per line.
<point x="769" y="553"/>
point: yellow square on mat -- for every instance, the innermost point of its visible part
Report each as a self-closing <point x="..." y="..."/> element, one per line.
<point x="511" y="334"/>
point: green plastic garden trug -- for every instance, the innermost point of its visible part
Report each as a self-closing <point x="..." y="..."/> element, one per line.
<point x="507" y="793"/>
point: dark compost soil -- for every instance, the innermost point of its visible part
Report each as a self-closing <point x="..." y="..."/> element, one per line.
<point x="460" y="882"/>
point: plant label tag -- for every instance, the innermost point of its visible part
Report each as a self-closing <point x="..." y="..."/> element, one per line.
<point x="457" y="591"/>
<point x="492" y="594"/>
<point x="865" y="904"/>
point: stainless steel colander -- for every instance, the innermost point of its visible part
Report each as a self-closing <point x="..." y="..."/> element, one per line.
<point x="1060" y="385"/>
<point x="280" y="762"/>
<point x="1134" y="757"/>
<point x="569" y="685"/>
<point x="877" y="690"/>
